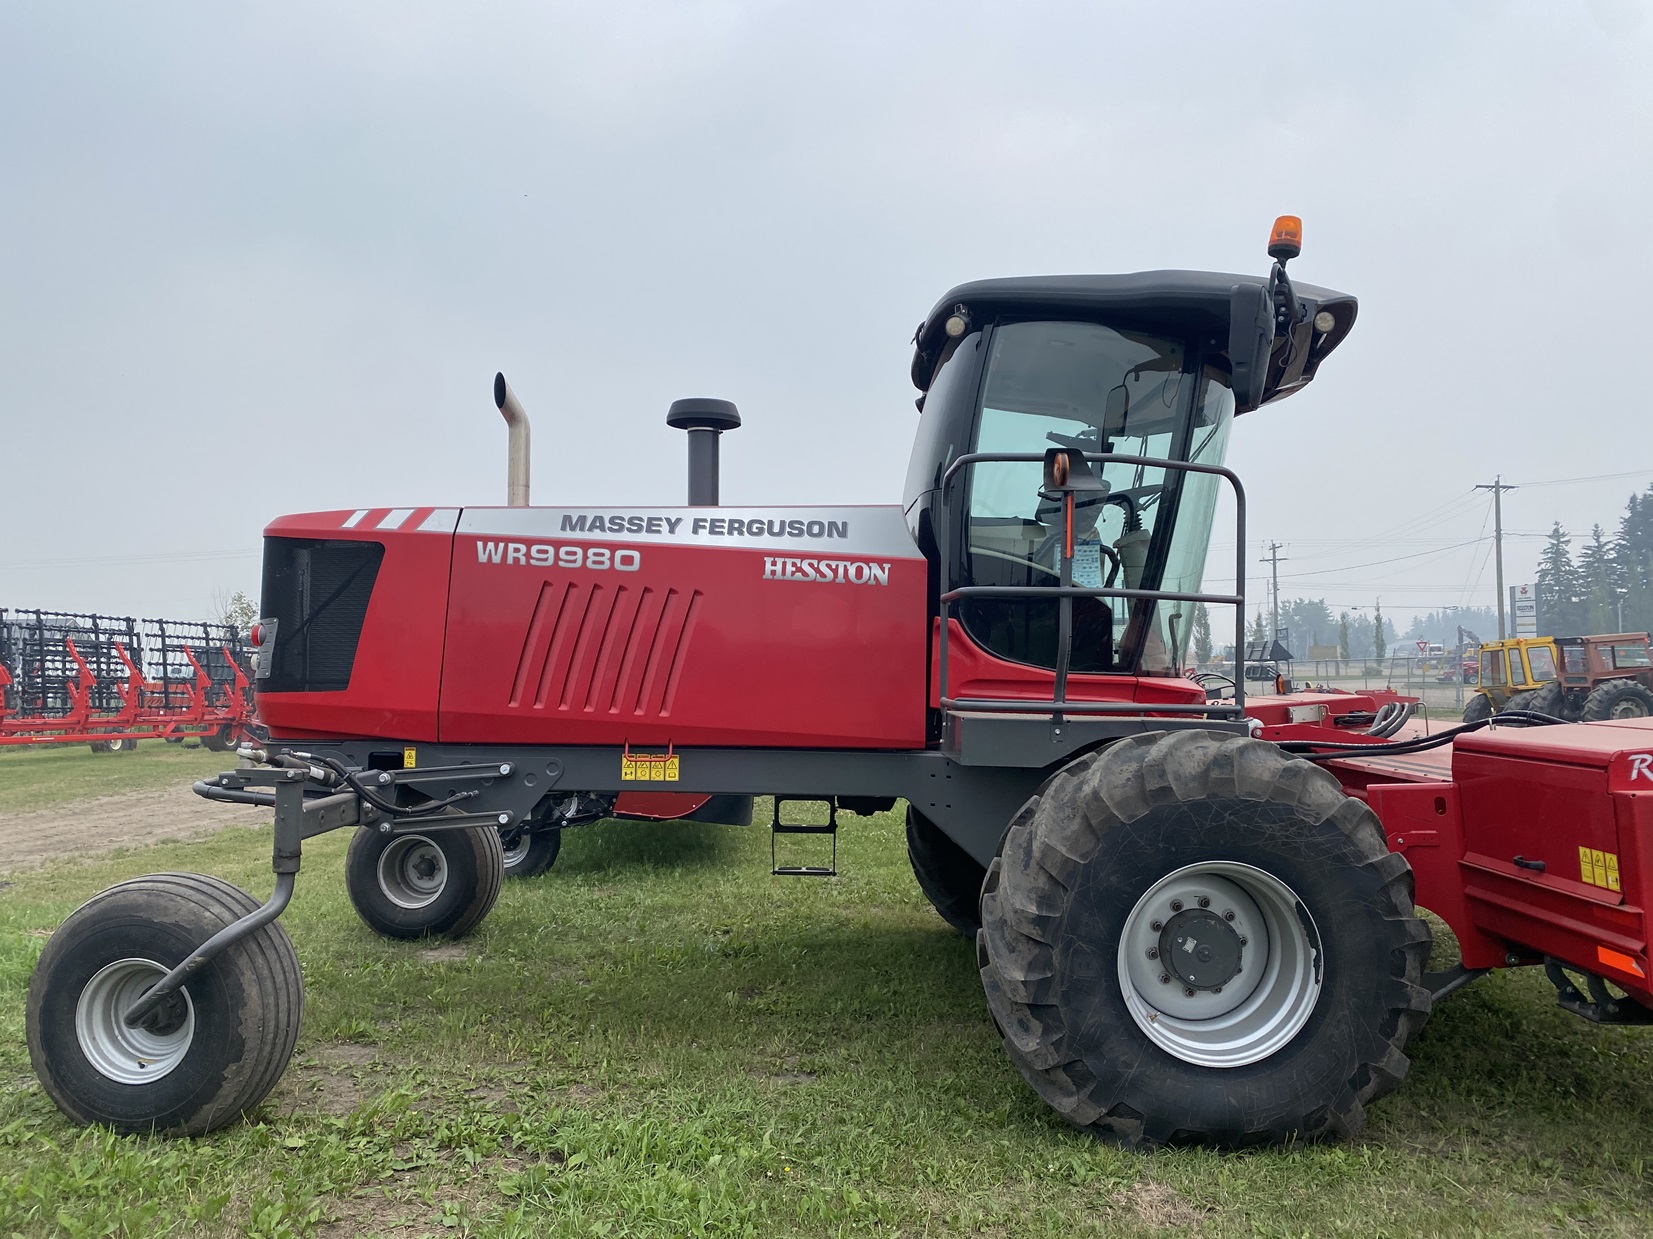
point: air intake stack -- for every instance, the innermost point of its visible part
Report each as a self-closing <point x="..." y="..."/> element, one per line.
<point x="704" y="420"/>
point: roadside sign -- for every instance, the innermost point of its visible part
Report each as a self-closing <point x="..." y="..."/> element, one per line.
<point x="1423" y="646"/>
<point x="1524" y="607"/>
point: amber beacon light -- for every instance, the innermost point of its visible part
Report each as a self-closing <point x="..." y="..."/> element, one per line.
<point x="1286" y="241"/>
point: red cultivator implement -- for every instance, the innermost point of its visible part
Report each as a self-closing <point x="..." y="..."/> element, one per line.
<point x="110" y="681"/>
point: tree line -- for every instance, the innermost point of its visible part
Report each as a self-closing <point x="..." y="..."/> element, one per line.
<point x="1608" y="587"/>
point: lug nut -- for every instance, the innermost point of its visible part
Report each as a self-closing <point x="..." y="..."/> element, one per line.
<point x="1156" y="926"/>
<point x="1186" y="992"/>
<point x="1216" y="989"/>
<point x="1153" y="952"/>
<point x="1204" y="902"/>
<point x="1228" y="914"/>
<point x="1176" y="905"/>
<point x="1164" y="979"/>
<point x="1242" y="939"/>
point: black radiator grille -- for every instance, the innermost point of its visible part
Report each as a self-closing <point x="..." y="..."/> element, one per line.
<point x="317" y="592"/>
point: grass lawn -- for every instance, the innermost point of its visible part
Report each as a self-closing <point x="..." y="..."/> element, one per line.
<point x="46" y="775"/>
<point x="658" y="1038"/>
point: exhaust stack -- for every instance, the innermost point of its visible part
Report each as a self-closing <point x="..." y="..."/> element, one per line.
<point x="704" y="420"/>
<point x="516" y="469"/>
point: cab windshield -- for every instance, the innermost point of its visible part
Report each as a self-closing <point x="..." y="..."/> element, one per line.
<point x="1099" y="389"/>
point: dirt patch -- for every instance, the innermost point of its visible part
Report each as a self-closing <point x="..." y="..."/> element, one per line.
<point x="332" y="1079"/>
<point x="373" y="1212"/>
<point x="444" y="954"/>
<point x="789" y="1073"/>
<point x="91" y="827"/>
<point x="1158" y="1205"/>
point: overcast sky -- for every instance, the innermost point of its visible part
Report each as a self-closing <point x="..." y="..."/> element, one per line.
<point x="265" y="258"/>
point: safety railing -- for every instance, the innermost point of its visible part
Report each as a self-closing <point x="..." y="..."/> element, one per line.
<point x="1058" y="705"/>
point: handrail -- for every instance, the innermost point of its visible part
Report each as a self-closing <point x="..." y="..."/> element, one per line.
<point x="1058" y="704"/>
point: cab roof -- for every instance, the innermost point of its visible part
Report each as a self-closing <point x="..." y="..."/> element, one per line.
<point x="1175" y="302"/>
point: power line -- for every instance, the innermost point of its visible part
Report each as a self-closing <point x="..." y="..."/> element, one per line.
<point x="1596" y="477"/>
<point x="1456" y="546"/>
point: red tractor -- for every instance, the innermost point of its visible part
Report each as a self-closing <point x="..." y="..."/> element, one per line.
<point x="1194" y="917"/>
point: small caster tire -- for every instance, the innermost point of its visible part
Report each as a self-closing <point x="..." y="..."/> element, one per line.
<point x="212" y="1053"/>
<point x="531" y="852"/>
<point x="415" y="884"/>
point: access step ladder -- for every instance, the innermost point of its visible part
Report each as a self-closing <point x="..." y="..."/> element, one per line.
<point x="778" y="828"/>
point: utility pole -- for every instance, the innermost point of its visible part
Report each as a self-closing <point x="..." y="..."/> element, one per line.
<point x="1274" y="559"/>
<point x="1498" y="487"/>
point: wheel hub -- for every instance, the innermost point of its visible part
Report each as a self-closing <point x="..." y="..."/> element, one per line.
<point x="1219" y="964"/>
<point x="413" y="872"/>
<point x="1200" y="949"/>
<point x="118" y="1051"/>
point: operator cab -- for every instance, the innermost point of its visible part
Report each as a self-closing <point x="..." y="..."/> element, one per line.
<point x="1151" y="365"/>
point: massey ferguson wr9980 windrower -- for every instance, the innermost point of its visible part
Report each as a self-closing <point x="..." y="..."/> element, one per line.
<point x="1194" y="918"/>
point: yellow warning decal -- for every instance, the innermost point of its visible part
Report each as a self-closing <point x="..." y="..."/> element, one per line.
<point x="1598" y="868"/>
<point x="649" y="767"/>
<point x="407" y="759"/>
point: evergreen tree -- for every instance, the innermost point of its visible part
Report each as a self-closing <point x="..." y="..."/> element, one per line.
<point x="1307" y="621"/>
<point x="1343" y="635"/>
<point x="1633" y="562"/>
<point x="1202" y="634"/>
<point x="1259" y="628"/>
<point x="1596" y="569"/>
<point x="1563" y="610"/>
<point x="1378" y="645"/>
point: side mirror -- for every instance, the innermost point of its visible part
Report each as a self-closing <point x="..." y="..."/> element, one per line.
<point x="1115" y="410"/>
<point x="1250" y="341"/>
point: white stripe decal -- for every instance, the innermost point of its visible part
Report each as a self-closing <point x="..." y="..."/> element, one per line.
<point x="442" y="520"/>
<point x="355" y="518"/>
<point x="395" y="518"/>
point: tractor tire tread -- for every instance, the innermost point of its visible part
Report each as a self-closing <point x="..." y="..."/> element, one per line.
<point x="1599" y="705"/>
<point x="1023" y="901"/>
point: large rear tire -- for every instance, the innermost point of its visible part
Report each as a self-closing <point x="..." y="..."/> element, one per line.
<point x="1269" y="903"/>
<point x="1617" y="699"/>
<point x="948" y="875"/>
<point x="1549" y="698"/>
<point x="210" y="1055"/>
<point x="1478" y="708"/>
<point x="410" y="885"/>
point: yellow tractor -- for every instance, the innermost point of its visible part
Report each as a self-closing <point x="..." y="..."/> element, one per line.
<point x="1600" y="677"/>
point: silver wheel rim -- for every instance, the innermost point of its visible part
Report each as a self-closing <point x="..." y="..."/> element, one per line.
<point x="116" y="1051"/>
<point x="1628" y="707"/>
<point x="412" y="872"/>
<point x="1256" y="1011"/>
<point x="517" y="852"/>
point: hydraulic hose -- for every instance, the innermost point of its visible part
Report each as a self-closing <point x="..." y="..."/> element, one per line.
<point x="1315" y="750"/>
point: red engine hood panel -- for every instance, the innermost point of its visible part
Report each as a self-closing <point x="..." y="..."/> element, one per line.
<point x="778" y="627"/>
